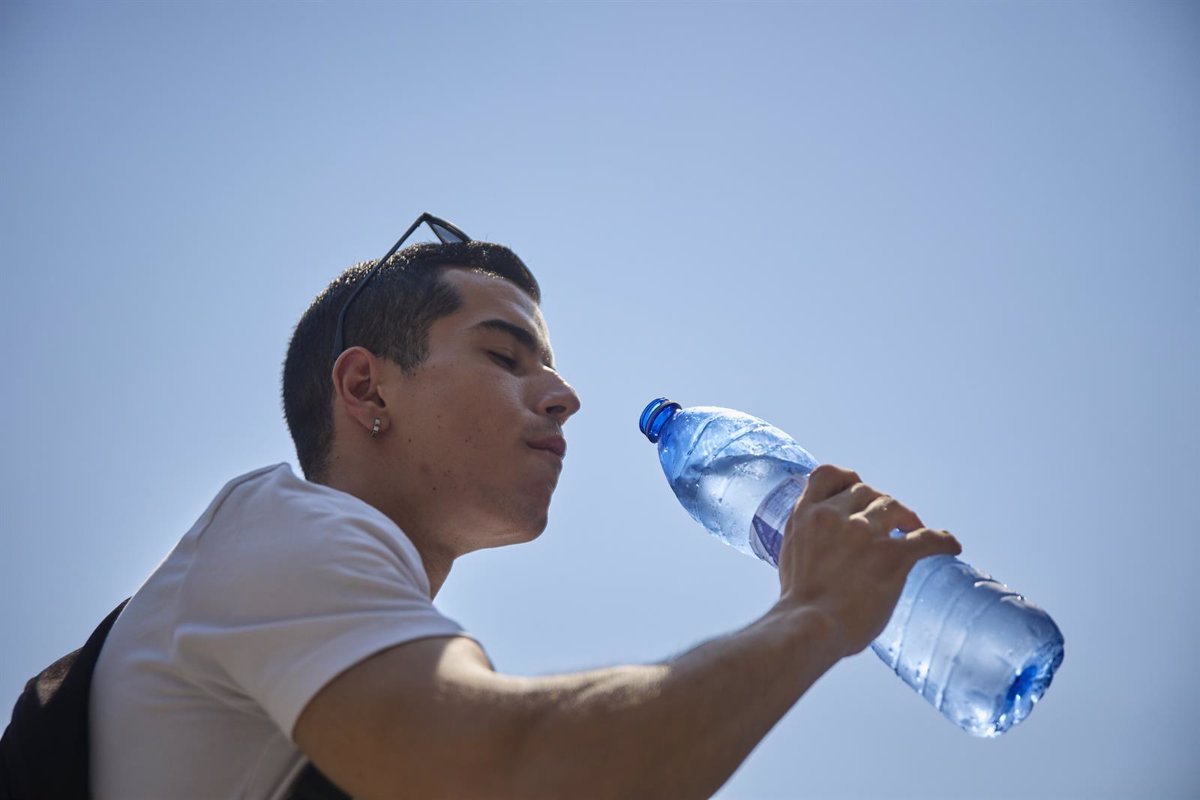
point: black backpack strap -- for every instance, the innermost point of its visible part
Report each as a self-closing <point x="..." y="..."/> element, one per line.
<point x="44" y="749"/>
<point x="313" y="785"/>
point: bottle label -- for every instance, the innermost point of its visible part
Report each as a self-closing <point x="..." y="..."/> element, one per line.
<point x="766" y="534"/>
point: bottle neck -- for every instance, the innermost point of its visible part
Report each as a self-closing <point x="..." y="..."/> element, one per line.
<point x="656" y="416"/>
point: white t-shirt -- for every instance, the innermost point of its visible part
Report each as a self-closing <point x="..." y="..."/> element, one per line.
<point x="280" y="586"/>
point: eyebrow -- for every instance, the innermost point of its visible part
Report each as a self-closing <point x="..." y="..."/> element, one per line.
<point x="523" y="336"/>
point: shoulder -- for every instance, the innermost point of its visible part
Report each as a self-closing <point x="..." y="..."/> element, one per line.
<point x="277" y="547"/>
<point x="271" y="518"/>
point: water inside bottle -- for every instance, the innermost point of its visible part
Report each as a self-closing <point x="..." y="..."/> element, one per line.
<point x="977" y="651"/>
<point x="724" y="494"/>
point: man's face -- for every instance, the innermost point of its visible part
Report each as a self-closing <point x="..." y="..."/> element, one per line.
<point x="476" y="433"/>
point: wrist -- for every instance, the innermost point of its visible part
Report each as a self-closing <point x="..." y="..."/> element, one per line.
<point x="812" y="630"/>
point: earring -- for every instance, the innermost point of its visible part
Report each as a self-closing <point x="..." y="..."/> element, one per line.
<point x="375" y="427"/>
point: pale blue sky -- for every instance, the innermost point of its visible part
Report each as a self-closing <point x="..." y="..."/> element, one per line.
<point x="951" y="245"/>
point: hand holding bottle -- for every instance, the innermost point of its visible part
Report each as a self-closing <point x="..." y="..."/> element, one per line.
<point x="980" y="653"/>
<point x="838" y="557"/>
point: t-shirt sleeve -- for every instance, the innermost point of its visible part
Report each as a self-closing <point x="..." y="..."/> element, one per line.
<point x="271" y="613"/>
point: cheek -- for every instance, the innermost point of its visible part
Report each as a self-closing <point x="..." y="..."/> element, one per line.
<point x="472" y="434"/>
<point x="487" y="403"/>
<point x="462" y="413"/>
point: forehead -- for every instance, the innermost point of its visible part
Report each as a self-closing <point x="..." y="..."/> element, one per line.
<point x="493" y="306"/>
<point x="485" y="296"/>
<point x="489" y="305"/>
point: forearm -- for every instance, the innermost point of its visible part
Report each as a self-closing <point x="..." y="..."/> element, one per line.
<point x="675" y="730"/>
<point x="431" y="719"/>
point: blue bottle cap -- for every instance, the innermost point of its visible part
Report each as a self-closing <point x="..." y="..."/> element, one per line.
<point x="655" y="416"/>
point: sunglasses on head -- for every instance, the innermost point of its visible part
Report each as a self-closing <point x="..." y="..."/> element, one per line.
<point x="446" y="232"/>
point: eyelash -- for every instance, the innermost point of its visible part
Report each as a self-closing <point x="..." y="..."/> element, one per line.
<point x="507" y="361"/>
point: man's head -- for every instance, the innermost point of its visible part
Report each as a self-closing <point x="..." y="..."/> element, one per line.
<point x="390" y="317"/>
<point x="447" y="347"/>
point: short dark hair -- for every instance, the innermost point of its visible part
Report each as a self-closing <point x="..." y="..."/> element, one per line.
<point x="390" y="317"/>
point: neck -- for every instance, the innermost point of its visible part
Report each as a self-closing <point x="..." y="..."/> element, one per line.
<point x="437" y="567"/>
<point x="436" y="558"/>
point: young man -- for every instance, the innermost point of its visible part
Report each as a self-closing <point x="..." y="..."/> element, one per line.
<point x="295" y="620"/>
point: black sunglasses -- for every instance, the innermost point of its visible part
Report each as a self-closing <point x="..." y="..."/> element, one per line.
<point x="446" y="233"/>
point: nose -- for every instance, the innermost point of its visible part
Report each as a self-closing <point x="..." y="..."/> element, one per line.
<point x="560" y="401"/>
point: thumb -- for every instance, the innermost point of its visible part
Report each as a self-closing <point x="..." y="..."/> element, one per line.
<point x="925" y="542"/>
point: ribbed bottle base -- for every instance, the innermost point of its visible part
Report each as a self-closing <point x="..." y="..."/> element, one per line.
<point x="1028" y="686"/>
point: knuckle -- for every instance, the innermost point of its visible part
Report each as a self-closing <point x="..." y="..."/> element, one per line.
<point x="832" y="471"/>
<point x="863" y="490"/>
<point x="824" y="472"/>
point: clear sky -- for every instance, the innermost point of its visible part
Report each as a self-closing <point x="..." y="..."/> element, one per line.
<point x="954" y="246"/>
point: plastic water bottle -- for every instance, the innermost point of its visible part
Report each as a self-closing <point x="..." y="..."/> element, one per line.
<point x="980" y="653"/>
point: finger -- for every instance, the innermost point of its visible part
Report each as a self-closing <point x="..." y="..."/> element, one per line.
<point x="855" y="499"/>
<point x="888" y="514"/>
<point x="925" y="542"/>
<point x="825" y="481"/>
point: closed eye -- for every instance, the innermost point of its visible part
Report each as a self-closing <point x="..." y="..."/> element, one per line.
<point x="508" y="362"/>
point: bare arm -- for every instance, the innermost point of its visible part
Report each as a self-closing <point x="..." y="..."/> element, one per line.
<point x="431" y="719"/>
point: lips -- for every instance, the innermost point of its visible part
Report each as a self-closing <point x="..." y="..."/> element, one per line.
<point x="553" y="444"/>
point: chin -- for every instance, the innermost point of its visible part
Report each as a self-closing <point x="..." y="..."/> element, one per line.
<point x="503" y="535"/>
<point x="527" y="532"/>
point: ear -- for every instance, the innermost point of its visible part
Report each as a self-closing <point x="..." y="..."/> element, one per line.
<point x="356" y="376"/>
